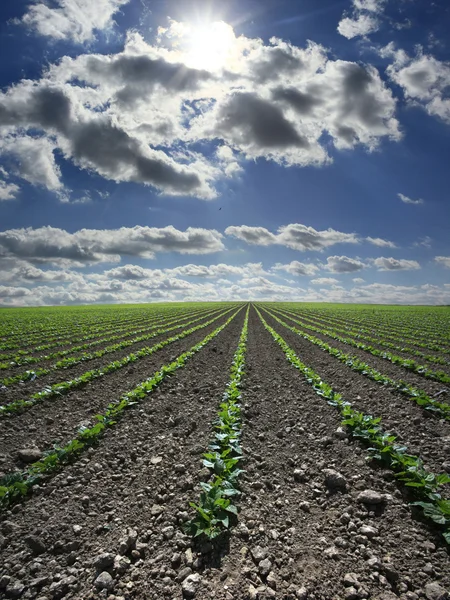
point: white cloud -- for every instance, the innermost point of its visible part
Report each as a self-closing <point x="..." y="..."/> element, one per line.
<point x="381" y="243"/>
<point x="137" y="115"/>
<point x="8" y="191"/>
<point x="295" y="236"/>
<point x="71" y="19"/>
<point x="87" y="246"/>
<point x="424" y="79"/>
<point x="360" y="25"/>
<point x="364" y="19"/>
<point x="324" y="281"/>
<point x="358" y="280"/>
<point x="408" y="200"/>
<point x="343" y="264"/>
<point x="443" y="260"/>
<point x="297" y="268"/>
<point x="394" y="264"/>
<point x="35" y="161"/>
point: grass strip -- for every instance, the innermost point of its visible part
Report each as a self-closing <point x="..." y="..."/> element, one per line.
<point x="64" y="387"/>
<point x="17" y="485"/>
<point x="407" y="468"/>
<point x="215" y="509"/>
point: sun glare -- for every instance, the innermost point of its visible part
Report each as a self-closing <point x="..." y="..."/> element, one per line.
<point x="209" y="45"/>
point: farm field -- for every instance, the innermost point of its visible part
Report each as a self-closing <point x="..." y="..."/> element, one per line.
<point x="225" y="451"/>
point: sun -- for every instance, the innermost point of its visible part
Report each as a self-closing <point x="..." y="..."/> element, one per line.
<point x="208" y="46"/>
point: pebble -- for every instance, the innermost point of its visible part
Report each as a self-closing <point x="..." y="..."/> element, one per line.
<point x="371" y="497"/>
<point x="258" y="553"/>
<point x="29" y="455"/>
<point x="265" y="567"/>
<point x="36" y="544"/>
<point x="190" y="585"/>
<point x="103" y="561"/>
<point x="334" y="480"/>
<point x="104" y="581"/>
<point x="434" y="591"/>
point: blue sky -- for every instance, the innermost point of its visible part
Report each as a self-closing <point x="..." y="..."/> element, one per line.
<point x="172" y="150"/>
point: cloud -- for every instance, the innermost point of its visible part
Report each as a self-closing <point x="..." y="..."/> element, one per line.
<point x="324" y="281"/>
<point x="297" y="268"/>
<point x="361" y="25"/>
<point x="295" y="236"/>
<point x="394" y="264"/>
<point x="364" y="19"/>
<point x="87" y="246"/>
<point x="343" y="264"/>
<point x="407" y="200"/>
<point x="8" y="191"/>
<point x="381" y="243"/>
<point x="443" y="260"/>
<point x="143" y="115"/>
<point x="358" y="280"/>
<point x="424" y="80"/>
<point x="35" y="161"/>
<point x="71" y="19"/>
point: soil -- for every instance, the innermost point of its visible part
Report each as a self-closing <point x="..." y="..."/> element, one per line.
<point x="119" y="509"/>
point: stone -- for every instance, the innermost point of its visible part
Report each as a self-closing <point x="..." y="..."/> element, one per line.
<point x="180" y="468"/>
<point x="156" y="510"/>
<point x="368" y="531"/>
<point x="15" y="589"/>
<point x="35" y="544"/>
<point x="334" y="480"/>
<point x="190" y="585"/>
<point x="29" y="455"/>
<point x="351" y="593"/>
<point x="331" y="552"/>
<point x="183" y="574"/>
<point x="103" y="561"/>
<point x="351" y="579"/>
<point x="301" y="593"/>
<point x="60" y="588"/>
<point x="121" y="564"/>
<point x="104" y="581"/>
<point x="258" y="553"/>
<point x="340" y="433"/>
<point x="299" y="475"/>
<point x="155" y="460"/>
<point x="434" y="591"/>
<point x="371" y="497"/>
<point x="265" y="567"/>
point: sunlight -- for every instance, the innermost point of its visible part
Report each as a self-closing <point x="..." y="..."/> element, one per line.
<point x="209" y="45"/>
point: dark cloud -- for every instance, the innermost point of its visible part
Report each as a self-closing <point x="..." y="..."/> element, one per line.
<point x="249" y="119"/>
<point x="301" y="102"/>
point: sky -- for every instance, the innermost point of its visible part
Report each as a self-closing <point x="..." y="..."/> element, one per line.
<point x="286" y="150"/>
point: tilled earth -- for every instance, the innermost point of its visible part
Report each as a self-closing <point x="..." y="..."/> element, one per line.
<point x="316" y="520"/>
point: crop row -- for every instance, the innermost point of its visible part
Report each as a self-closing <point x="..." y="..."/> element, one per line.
<point x="17" y="485"/>
<point x="215" y="507"/>
<point x="64" y="387"/>
<point x="356" y="334"/>
<point x="88" y="332"/>
<point x="117" y="336"/>
<point x="408" y="469"/>
<point x="66" y="363"/>
<point x="409" y="364"/>
<point x="420" y="397"/>
<point x="392" y="331"/>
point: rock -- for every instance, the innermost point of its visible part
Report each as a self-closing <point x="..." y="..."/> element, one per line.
<point x="183" y="574"/>
<point x="351" y="579"/>
<point x="155" y="460"/>
<point x="121" y="564"/>
<point x="156" y="510"/>
<point x="180" y="468"/>
<point x="351" y="593"/>
<point x="103" y="561"/>
<point x="340" y="433"/>
<point x="190" y="585"/>
<point x="29" y="455"/>
<point x="60" y="588"/>
<point x="15" y="590"/>
<point x="8" y="527"/>
<point x="299" y="475"/>
<point x="77" y="529"/>
<point x="35" y="544"/>
<point x="252" y="592"/>
<point x="371" y="497"/>
<point x="304" y="506"/>
<point x="434" y="591"/>
<point x="331" y="552"/>
<point x="104" y="581"/>
<point x="259" y="554"/>
<point x="272" y="581"/>
<point x="301" y="593"/>
<point x="368" y="531"/>
<point x="265" y="567"/>
<point x="334" y="480"/>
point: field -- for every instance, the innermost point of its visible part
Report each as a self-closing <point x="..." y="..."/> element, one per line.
<point x="226" y="451"/>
